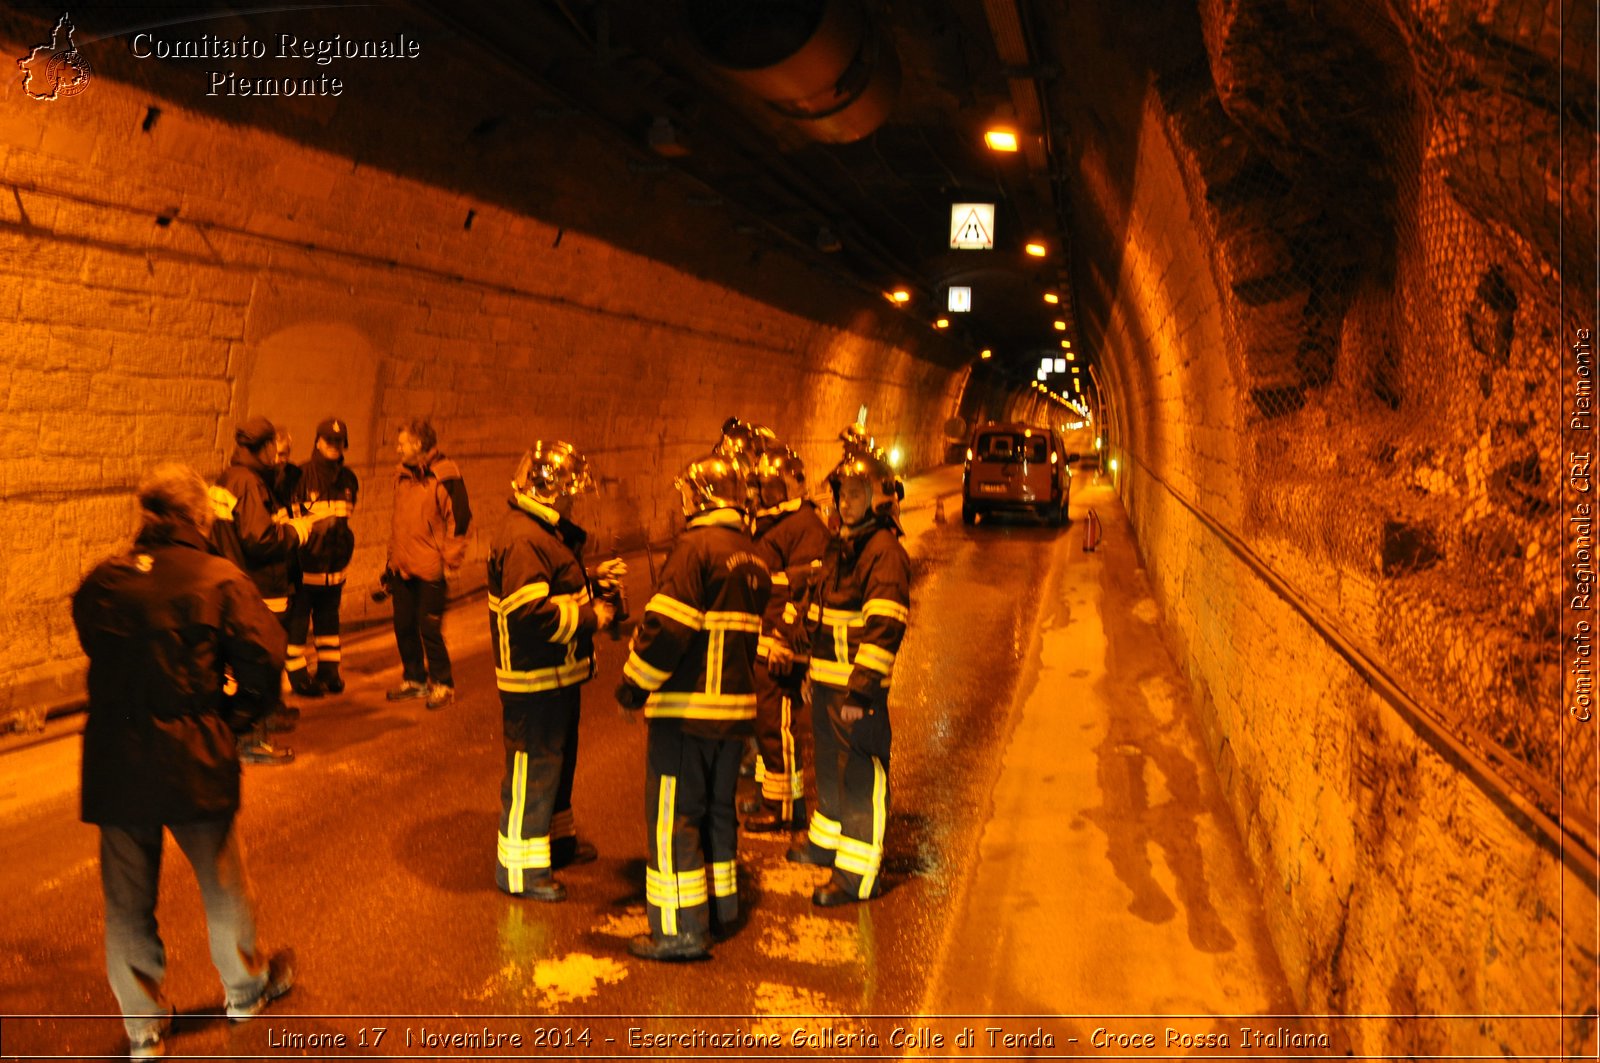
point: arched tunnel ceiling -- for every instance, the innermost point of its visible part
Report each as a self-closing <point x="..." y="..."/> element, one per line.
<point x="545" y="108"/>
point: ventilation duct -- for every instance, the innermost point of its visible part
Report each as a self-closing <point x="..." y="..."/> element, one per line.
<point x="819" y="63"/>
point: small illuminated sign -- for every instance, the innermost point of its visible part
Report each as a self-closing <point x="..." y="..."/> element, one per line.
<point x="960" y="300"/>
<point x="1061" y="365"/>
<point x="972" y="226"/>
<point x="1046" y="364"/>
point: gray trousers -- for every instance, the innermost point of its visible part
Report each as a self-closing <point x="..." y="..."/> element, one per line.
<point x="136" y="960"/>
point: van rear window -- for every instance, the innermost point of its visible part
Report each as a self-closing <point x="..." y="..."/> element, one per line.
<point x="1011" y="446"/>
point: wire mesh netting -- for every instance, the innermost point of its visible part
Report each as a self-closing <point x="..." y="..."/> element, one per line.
<point x="1405" y="237"/>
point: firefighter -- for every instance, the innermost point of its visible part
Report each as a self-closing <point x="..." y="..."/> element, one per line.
<point x="324" y="489"/>
<point x="691" y="667"/>
<point x="245" y="532"/>
<point x="857" y="616"/>
<point x="543" y="614"/>
<point x="791" y="538"/>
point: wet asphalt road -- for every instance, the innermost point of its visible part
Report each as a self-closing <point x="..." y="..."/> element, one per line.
<point x="373" y="855"/>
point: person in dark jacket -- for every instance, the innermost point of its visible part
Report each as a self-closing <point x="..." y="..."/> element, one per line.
<point x="164" y="626"/>
<point x="791" y="538"/>
<point x="251" y="530"/>
<point x="691" y="667"/>
<point x="427" y="545"/>
<point x="543" y="613"/>
<point x="325" y="490"/>
<point x="857" y="617"/>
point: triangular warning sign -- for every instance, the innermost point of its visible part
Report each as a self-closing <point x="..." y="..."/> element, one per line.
<point x="972" y="230"/>
<point x="972" y="226"/>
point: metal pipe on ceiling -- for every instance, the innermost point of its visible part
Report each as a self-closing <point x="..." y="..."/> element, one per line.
<point x="821" y="64"/>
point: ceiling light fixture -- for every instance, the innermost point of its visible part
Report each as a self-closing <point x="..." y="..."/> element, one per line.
<point x="1052" y="298"/>
<point x="1061" y="326"/>
<point x="899" y="296"/>
<point x="1035" y="249"/>
<point x="985" y="354"/>
<point x="1001" y="138"/>
<point x="942" y="322"/>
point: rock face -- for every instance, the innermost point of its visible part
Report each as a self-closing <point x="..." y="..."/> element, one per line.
<point x="1326" y="262"/>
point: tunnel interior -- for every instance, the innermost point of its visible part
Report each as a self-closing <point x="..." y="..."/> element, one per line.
<point x="1331" y="264"/>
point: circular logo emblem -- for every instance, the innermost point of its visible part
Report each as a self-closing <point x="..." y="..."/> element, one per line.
<point x="68" y="73"/>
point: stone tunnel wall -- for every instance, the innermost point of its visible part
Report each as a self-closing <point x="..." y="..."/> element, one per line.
<point x="1320" y="267"/>
<point x="158" y="285"/>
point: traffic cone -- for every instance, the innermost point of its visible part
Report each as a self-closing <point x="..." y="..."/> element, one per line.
<point x="1091" y="532"/>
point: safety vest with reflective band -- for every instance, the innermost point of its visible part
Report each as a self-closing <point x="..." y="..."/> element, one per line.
<point x="541" y="621"/>
<point x="243" y="529"/>
<point x="326" y="489"/>
<point x="859" y="612"/>
<point x="695" y="647"/>
<point x="789" y="538"/>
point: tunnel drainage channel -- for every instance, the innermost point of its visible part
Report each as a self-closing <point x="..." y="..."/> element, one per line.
<point x="1574" y="848"/>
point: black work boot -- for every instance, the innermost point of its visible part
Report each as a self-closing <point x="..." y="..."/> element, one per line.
<point x="302" y="682"/>
<point x="255" y="749"/>
<point x="329" y="679"/>
<point x="544" y="888"/>
<point x="670" y="947"/>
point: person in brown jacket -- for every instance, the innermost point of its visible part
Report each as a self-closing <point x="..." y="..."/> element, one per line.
<point x="427" y="546"/>
<point x="164" y="626"/>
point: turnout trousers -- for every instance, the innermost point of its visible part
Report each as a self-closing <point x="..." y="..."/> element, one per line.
<point x="537" y="829"/>
<point x="315" y="607"/>
<point x="689" y="804"/>
<point x="782" y="729"/>
<point x="852" y="767"/>
<point x="136" y="959"/>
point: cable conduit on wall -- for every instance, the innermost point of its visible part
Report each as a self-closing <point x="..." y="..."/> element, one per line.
<point x="1569" y="841"/>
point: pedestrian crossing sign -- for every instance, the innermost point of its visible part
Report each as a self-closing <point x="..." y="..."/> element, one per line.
<point x="972" y="227"/>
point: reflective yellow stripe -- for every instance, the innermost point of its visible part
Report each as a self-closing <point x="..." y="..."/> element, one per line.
<point x="519" y="789"/>
<point x="577" y="597"/>
<point x="517" y="857"/>
<point x="277" y="605"/>
<point x="223" y="502"/>
<point x="701" y="706"/>
<point x="692" y="888"/>
<point x="530" y="592"/>
<point x="671" y="607"/>
<point x="322" y="579"/>
<point x="789" y="612"/>
<point x="324" y="641"/>
<point x="835" y="616"/>
<point x="666" y="796"/>
<point x="661" y="890"/>
<point x="568" y="627"/>
<point x="325" y="508"/>
<point x="642" y="673"/>
<point x="885" y="607"/>
<point x="329" y="656"/>
<point x="791" y="764"/>
<point x="823" y="832"/>
<point x="880" y="821"/>
<point x="732" y="620"/>
<point x="715" y="645"/>
<point x="780" y="579"/>
<point x="834" y="673"/>
<point x="876" y="658"/>
<point x="724" y="879"/>
<point x="536" y="679"/>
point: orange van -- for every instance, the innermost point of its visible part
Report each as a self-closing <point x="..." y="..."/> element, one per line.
<point x="1016" y="467"/>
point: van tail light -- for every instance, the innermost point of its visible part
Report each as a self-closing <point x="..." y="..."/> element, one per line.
<point x="969" y="453"/>
<point x="1054" y="457"/>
